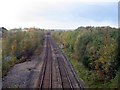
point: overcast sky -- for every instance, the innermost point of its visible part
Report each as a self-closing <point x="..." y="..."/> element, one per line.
<point x="67" y="14"/>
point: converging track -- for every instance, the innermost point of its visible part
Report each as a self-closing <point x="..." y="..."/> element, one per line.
<point x="57" y="71"/>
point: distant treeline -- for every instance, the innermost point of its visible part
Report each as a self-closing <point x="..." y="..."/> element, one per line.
<point x="96" y="48"/>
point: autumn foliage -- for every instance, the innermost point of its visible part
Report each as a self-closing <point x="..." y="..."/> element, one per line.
<point x="19" y="45"/>
<point x="95" y="47"/>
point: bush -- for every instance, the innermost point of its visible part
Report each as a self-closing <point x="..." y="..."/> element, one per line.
<point x="95" y="47"/>
<point x="19" y="44"/>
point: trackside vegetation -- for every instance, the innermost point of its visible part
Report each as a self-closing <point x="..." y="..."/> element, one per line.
<point x="93" y="51"/>
<point x="18" y="46"/>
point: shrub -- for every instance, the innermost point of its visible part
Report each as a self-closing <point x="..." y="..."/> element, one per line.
<point x="20" y="44"/>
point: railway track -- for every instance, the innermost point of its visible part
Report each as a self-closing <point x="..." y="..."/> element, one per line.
<point x="57" y="72"/>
